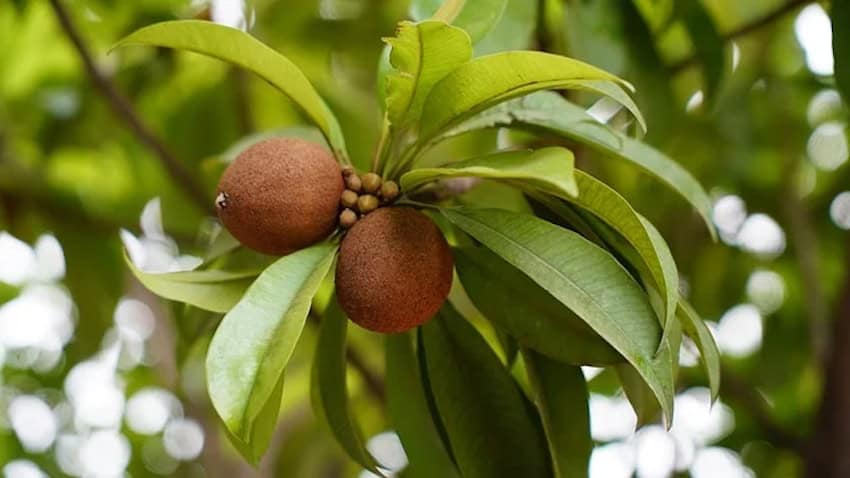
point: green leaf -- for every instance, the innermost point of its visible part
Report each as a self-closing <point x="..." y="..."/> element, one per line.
<point x="707" y="42"/>
<point x="548" y="170"/>
<point x="213" y="290"/>
<point x="658" y="264"/>
<point x="492" y="79"/>
<point x="840" y="16"/>
<point x="560" y="393"/>
<point x="241" y="49"/>
<point x="516" y="30"/>
<point x="640" y="395"/>
<point x="8" y="292"/>
<point x="409" y="412"/>
<point x="550" y="113"/>
<point x="696" y="329"/>
<point x="422" y="54"/>
<point x="490" y="429"/>
<point x="477" y="17"/>
<point x="329" y="383"/>
<point x="585" y="278"/>
<point x="517" y="305"/>
<point x="255" y="340"/>
<point x="263" y="430"/>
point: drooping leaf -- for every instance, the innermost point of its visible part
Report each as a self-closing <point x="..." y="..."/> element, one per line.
<point x="548" y="170"/>
<point x="263" y="428"/>
<point x="707" y="42"/>
<point x="520" y="307"/>
<point x="422" y="54"/>
<point x="213" y="290"/>
<point x="410" y="414"/>
<point x="585" y="278"/>
<point x="840" y="16"/>
<point x="602" y="201"/>
<point x="255" y="340"/>
<point x="654" y="258"/>
<point x="696" y="329"/>
<point x="560" y="393"/>
<point x="477" y="17"/>
<point x="329" y="385"/>
<point x="489" y="80"/>
<point x="642" y="398"/>
<point x="241" y="49"/>
<point x="489" y="427"/>
<point x="551" y="113"/>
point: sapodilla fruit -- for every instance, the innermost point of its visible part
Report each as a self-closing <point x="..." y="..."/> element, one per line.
<point x="394" y="270"/>
<point x="280" y="195"/>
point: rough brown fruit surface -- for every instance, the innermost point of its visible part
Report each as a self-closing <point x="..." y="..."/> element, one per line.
<point x="394" y="270"/>
<point x="281" y="195"/>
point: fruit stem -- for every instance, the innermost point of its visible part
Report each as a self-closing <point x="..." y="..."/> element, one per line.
<point x="383" y="143"/>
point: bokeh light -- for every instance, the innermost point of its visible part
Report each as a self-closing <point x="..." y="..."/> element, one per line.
<point x="839" y="210"/>
<point x="814" y="32"/>
<point x="183" y="439"/>
<point x="766" y="290"/>
<point x="739" y="332"/>
<point x="827" y="146"/>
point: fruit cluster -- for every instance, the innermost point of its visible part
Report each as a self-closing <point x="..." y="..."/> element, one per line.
<point x="363" y="194"/>
<point x="395" y="267"/>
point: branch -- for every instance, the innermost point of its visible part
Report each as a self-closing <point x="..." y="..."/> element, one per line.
<point x="122" y="107"/>
<point x="746" y="29"/>
<point x="830" y="439"/>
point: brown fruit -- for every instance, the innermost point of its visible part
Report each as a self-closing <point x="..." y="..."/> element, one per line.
<point x="280" y="195"/>
<point x="394" y="270"/>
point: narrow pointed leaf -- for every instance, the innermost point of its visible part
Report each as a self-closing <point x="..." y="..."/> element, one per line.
<point x="523" y="309"/>
<point x="549" y="112"/>
<point x="548" y="170"/>
<point x="262" y="429"/>
<point x="560" y="394"/>
<point x="696" y="329"/>
<point x="614" y="210"/>
<point x="213" y="290"/>
<point x="330" y="392"/>
<point x="489" y="80"/>
<point x="640" y="395"/>
<point x="241" y="49"/>
<point x="489" y="427"/>
<point x="654" y="258"/>
<point x="585" y="278"/>
<point x="410" y="415"/>
<point x="255" y="340"/>
<point x="422" y="54"/>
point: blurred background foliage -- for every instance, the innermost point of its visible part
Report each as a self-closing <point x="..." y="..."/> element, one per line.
<point x="740" y="93"/>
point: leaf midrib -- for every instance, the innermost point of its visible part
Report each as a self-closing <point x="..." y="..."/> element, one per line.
<point x="536" y="258"/>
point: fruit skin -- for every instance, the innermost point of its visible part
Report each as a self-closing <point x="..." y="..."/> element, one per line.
<point x="394" y="270"/>
<point x="282" y="195"/>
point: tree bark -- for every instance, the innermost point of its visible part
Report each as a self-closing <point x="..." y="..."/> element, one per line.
<point x="829" y="447"/>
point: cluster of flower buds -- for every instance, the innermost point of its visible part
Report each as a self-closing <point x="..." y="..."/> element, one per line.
<point x="363" y="194"/>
